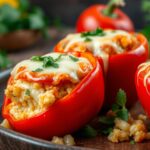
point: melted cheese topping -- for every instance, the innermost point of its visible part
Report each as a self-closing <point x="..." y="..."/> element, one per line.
<point x="143" y="67"/>
<point x="31" y="98"/>
<point x="66" y="66"/>
<point x="96" y="43"/>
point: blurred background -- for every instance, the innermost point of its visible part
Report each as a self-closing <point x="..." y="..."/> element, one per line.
<point x="69" y="10"/>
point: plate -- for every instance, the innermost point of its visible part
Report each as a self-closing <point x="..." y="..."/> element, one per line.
<point x="13" y="140"/>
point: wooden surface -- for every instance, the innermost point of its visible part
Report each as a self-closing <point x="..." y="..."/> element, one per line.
<point x="99" y="142"/>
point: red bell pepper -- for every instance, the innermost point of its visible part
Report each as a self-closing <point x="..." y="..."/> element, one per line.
<point x="104" y="16"/>
<point x="142" y="79"/>
<point x="69" y="113"/>
<point x="121" y="71"/>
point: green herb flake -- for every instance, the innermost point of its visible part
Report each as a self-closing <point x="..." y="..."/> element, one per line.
<point x="87" y="39"/>
<point x="37" y="58"/>
<point x="120" y="111"/>
<point x="27" y="92"/>
<point x="73" y="58"/>
<point x="121" y="98"/>
<point x="38" y="70"/>
<point x="123" y="114"/>
<point x="97" y="32"/>
<point x="132" y="142"/>
<point x="49" y="62"/>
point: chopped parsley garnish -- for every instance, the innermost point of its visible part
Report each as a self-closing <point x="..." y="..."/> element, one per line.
<point x="88" y="39"/>
<point x="132" y="142"/>
<point x="73" y="58"/>
<point x="37" y="58"/>
<point x="38" y="70"/>
<point x="27" y="92"/>
<point x="48" y="61"/>
<point x="97" y="32"/>
<point x="120" y="111"/>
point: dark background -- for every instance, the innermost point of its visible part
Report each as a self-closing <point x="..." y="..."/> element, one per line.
<point x="69" y="10"/>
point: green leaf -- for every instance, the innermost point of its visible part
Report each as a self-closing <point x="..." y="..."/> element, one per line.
<point x="4" y="61"/>
<point x="38" y="11"/>
<point x="146" y="32"/>
<point x="106" y="120"/>
<point x="88" y="132"/>
<point x="37" y="58"/>
<point x="49" y="62"/>
<point x="97" y="32"/>
<point x="121" y="98"/>
<point x="3" y="29"/>
<point x="73" y="58"/>
<point x="24" y="5"/>
<point x="9" y="15"/>
<point x="123" y="114"/>
<point x="115" y="107"/>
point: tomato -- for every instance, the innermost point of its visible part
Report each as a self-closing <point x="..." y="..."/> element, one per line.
<point x="93" y="17"/>
<point x="67" y="114"/>
<point x="142" y="79"/>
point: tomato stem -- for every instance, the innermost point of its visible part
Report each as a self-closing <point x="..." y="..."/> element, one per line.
<point x="112" y="5"/>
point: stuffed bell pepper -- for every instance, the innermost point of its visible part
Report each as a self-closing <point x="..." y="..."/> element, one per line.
<point x="121" y="53"/>
<point x="142" y="81"/>
<point x="53" y="95"/>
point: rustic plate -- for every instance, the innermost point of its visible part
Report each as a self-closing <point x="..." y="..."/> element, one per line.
<point x="11" y="140"/>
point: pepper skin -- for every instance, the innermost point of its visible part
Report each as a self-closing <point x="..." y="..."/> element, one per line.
<point x="142" y="79"/>
<point x="69" y="113"/>
<point x="93" y="18"/>
<point x="121" y="71"/>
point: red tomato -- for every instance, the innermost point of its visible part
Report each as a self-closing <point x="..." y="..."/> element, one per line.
<point x="92" y="18"/>
<point x="142" y="81"/>
<point x="67" y="114"/>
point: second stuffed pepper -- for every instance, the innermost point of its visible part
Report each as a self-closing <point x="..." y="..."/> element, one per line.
<point x="121" y="52"/>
